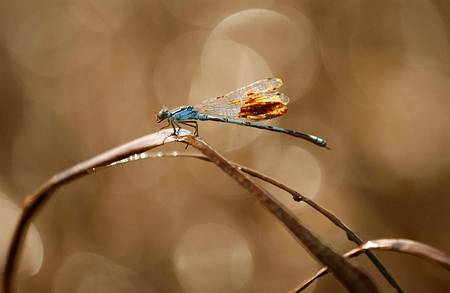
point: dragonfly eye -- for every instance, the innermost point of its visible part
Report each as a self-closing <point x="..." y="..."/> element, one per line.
<point x="162" y="115"/>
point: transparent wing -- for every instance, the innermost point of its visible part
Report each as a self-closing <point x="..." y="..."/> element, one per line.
<point x="253" y="107"/>
<point x="229" y="105"/>
<point x="257" y="87"/>
<point x="238" y="96"/>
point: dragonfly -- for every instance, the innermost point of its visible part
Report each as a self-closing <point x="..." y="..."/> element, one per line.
<point x="257" y="101"/>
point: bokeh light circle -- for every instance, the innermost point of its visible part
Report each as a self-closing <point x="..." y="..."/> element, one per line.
<point x="33" y="251"/>
<point x="90" y="272"/>
<point x="296" y="168"/>
<point x="285" y="41"/>
<point x="212" y="258"/>
<point x="226" y="66"/>
<point x="205" y="13"/>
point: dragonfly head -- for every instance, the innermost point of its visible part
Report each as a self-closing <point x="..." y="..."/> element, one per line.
<point x="163" y="114"/>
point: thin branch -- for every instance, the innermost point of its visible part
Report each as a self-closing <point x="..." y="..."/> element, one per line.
<point x="350" y="276"/>
<point x="296" y="195"/>
<point x="36" y="200"/>
<point x="335" y="220"/>
<point x="397" y="245"/>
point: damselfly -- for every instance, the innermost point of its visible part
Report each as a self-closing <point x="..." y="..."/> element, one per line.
<point x="257" y="101"/>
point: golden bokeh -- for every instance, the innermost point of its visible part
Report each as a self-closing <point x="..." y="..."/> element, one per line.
<point x="80" y="77"/>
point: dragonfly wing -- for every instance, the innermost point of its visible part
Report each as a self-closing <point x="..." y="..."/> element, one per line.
<point x="219" y="109"/>
<point x="238" y="97"/>
<point x="257" y="87"/>
<point x="264" y="106"/>
<point x="257" y="106"/>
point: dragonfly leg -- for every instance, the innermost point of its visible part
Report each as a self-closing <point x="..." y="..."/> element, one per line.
<point x="187" y="145"/>
<point x="196" y="127"/>
<point x="177" y="131"/>
<point x="176" y="127"/>
<point x="193" y="124"/>
<point x="168" y="124"/>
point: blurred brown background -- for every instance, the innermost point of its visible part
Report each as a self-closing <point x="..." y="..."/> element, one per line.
<point x="79" y="77"/>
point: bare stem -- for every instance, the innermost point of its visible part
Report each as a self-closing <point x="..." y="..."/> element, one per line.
<point x="37" y="199"/>
<point x="350" y="276"/>
<point x="397" y="245"/>
<point x="296" y="195"/>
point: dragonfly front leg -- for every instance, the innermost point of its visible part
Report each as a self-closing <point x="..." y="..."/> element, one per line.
<point x="168" y="124"/>
<point x="177" y="131"/>
<point x="171" y="123"/>
<point x="174" y="126"/>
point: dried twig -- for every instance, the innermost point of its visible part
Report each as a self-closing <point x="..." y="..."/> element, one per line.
<point x="36" y="200"/>
<point x="296" y="195"/>
<point x="397" y="245"/>
<point x="350" y="276"/>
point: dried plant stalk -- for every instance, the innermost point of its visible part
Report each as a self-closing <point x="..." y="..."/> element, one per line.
<point x="352" y="236"/>
<point x="350" y="276"/>
<point x="397" y="245"/>
<point x="36" y="200"/>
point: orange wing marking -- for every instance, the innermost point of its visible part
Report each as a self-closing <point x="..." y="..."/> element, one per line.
<point x="261" y="108"/>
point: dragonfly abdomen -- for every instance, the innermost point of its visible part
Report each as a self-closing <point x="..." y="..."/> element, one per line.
<point x="311" y="138"/>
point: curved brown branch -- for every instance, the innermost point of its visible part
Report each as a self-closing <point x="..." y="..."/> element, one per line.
<point x="296" y="195"/>
<point x="397" y="245"/>
<point x="36" y="200"/>
<point x="350" y="276"/>
<point x="335" y="220"/>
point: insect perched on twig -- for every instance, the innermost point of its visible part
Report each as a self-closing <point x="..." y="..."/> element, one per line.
<point x="260" y="100"/>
